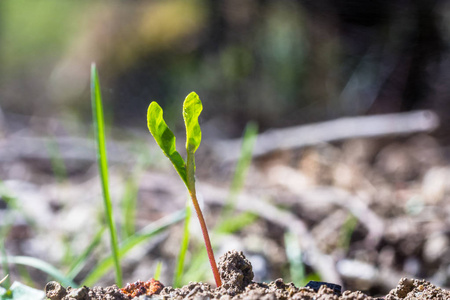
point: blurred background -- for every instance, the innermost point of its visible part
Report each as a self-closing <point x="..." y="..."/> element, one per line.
<point x="277" y="64"/>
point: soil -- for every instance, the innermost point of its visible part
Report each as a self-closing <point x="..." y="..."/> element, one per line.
<point x="362" y="213"/>
<point x="237" y="275"/>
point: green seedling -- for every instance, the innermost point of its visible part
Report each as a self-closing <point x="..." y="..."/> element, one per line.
<point x="165" y="138"/>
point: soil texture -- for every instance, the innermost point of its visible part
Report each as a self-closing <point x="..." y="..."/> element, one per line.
<point x="237" y="275"/>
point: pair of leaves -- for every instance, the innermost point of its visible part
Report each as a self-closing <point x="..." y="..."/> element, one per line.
<point x="165" y="138"/>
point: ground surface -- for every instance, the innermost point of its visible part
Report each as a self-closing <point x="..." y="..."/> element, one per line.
<point x="237" y="276"/>
<point x="361" y="213"/>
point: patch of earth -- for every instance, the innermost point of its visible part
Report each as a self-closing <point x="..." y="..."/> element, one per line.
<point x="237" y="276"/>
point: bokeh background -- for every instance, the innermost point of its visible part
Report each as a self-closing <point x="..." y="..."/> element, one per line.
<point x="275" y="63"/>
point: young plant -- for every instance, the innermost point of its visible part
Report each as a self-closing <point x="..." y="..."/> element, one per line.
<point x="165" y="138"/>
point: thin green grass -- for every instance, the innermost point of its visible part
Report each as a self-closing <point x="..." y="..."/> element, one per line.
<point x="143" y="235"/>
<point x="232" y="224"/>
<point x="128" y="204"/>
<point x="4" y="279"/>
<point x="57" y="162"/>
<point x="183" y="249"/>
<point x="102" y="160"/>
<point x="346" y="232"/>
<point x="158" y="270"/>
<point x="4" y="231"/>
<point x="198" y="267"/>
<point x="240" y="173"/>
<point x="4" y="262"/>
<point x="294" y="256"/>
<point x="80" y="262"/>
<point x="13" y="204"/>
<point x="42" y="266"/>
<point x="229" y="223"/>
<point x="24" y="274"/>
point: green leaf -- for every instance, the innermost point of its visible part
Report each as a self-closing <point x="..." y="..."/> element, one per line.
<point x="165" y="138"/>
<point x="192" y="108"/>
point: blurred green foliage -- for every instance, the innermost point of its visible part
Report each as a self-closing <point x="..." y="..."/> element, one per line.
<point x="36" y="30"/>
<point x="275" y="62"/>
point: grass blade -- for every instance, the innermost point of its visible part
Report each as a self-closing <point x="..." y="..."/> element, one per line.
<point x="183" y="249"/>
<point x="102" y="160"/>
<point x="4" y="261"/>
<point x="42" y="266"/>
<point x="158" y="270"/>
<point x="56" y="161"/>
<point x="197" y="268"/>
<point x="4" y="279"/>
<point x="229" y="223"/>
<point x="76" y="267"/>
<point x="248" y="142"/>
<point x="128" y="203"/>
<point x="232" y="223"/>
<point x="141" y="236"/>
<point x="294" y="255"/>
<point x="346" y="232"/>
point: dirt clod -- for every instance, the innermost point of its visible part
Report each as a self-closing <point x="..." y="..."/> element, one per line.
<point x="78" y="294"/>
<point x="139" y="288"/>
<point x="415" y="289"/>
<point x="404" y="286"/>
<point x="54" y="290"/>
<point x="235" y="271"/>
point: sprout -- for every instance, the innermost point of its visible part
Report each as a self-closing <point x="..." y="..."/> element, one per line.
<point x="165" y="138"/>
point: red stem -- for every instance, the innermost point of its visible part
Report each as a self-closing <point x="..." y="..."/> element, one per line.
<point x="209" y="249"/>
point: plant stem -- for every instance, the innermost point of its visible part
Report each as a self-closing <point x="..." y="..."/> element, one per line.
<point x="190" y="183"/>
<point x="209" y="249"/>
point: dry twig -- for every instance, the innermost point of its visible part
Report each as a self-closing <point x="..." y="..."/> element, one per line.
<point x="339" y="129"/>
